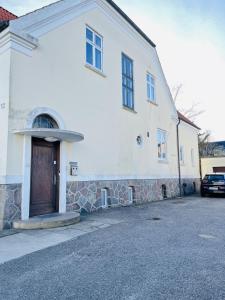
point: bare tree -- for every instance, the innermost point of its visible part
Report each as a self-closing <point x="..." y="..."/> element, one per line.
<point x="193" y="111"/>
<point x="207" y="148"/>
<point x="203" y="142"/>
<point x="176" y="92"/>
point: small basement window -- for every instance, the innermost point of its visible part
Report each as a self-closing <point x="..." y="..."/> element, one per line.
<point x="104" y="197"/>
<point x="130" y="194"/>
<point x="194" y="187"/>
<point x="164" y="191"/>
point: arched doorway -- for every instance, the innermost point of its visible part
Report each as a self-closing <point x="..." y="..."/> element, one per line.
<point x="45" y="167"/>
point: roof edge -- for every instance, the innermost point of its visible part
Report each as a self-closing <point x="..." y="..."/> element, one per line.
<point x="11" y="16"/>
<point x="117" y="9"/>
<point x="186" y="120"/>
<point x="128" y="19"/>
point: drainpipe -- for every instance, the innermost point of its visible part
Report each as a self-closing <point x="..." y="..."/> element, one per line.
<point x="178" y="157"/>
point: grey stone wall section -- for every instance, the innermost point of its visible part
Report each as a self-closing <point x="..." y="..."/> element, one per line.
<point x="86" y="196"/>
<point x="190" y="186"/>
<point x="10" y="204"/>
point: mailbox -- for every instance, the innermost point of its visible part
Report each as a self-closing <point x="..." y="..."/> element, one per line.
<point x="74" y="168"/>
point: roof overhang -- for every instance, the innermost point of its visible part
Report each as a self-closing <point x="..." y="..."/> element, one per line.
<point x="52" y="134"/>
<point x="32" y="26"/>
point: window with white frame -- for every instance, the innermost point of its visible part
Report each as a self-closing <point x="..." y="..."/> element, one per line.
<point x="150" y="87"/>
<point x="162" y="144"/>
<point x="182" y="154"/>
<point x="94" y="49"/>
<point x="104" y="198"/>
<point x="127" y="82"/>
<point x="192" y="157"/>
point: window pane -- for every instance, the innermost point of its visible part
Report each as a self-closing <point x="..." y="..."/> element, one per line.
<point x="152" y="94"/>
<point x="124" y="81"/>
<point x="98" y="59"/>
<point x="124" y="96"/>
<point x="161" y="142"/>
<point x="159" y="150"/>
<point x="98" y="41"/>
<point x="129" y="98"/>
<point x="129" y="68"/>
<point x="148" y="91"/>
<point x="152" y="81"/>
<point x="123" y="65"/>
<point x="89" y="53"/>
<point x="163" y="136"/>
<point x="159" y="136"/>
<point x="89" y="34"/>
<point x="130" y="84"/>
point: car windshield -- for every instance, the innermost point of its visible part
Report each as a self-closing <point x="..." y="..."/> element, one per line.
<point x="214" y="177"/>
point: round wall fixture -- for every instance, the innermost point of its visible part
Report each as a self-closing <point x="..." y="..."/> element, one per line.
<point x="139" y="140"/>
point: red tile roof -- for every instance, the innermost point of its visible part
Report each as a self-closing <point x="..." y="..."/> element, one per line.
<point x="186" y="120"/>
<point x="6" y="15"/>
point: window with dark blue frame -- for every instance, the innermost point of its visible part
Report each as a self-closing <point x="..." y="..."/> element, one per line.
<point x="128" y="82"/>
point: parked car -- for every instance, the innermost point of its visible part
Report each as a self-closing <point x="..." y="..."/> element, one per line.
<point x="213" y="184"/>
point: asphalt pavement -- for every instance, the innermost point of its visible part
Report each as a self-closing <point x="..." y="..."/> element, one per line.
<point x="172" y="249"/>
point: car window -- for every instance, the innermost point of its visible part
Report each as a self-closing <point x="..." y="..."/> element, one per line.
<point x="214" y="177"/>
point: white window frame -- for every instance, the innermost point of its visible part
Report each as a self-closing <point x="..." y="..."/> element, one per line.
<point x="149" y="86"/>
<point x="163" y="133"/>
<point x="182" y="154"/>
<point x="104" y="198"/>
<point x="130" y="195"/>
<point x="94" y="47"/>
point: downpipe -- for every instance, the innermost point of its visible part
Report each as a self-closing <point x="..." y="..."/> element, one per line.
<point x="178" y="158"/>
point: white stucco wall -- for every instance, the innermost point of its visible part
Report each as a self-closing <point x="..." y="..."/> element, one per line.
<point x="208" y="163"/>
<point x="4" y="109"/>
<point x="56" y="77"/>
<point x="188" y="136"/>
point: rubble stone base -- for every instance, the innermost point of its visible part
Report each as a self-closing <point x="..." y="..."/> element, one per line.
<point x="10" y="204"/>
<point x="86" y="196"/>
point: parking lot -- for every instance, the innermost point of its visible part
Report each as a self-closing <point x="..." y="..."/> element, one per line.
<point x="172" y="249"/>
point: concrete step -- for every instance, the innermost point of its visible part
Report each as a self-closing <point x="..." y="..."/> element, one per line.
<point x="48" y="221"/>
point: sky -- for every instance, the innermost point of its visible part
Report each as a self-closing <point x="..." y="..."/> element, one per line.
<point x="190" y="40"/>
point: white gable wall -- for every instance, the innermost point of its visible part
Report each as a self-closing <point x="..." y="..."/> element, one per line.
<point x="188" y="138"/>
<point x="56" y="77"/>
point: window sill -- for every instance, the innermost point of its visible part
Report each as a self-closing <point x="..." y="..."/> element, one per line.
<point x="163" y="161"/>
<point x="152" y="102"/>
<point x="129" y="109"/>
<point x="90" y="67"/>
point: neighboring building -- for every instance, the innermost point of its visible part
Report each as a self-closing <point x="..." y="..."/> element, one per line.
<point x="213" y="149"/>
<point x="213" y="158"/>
<point x="188" y="153"/>
<point x="6" y="15"/>
<point x="212" y="165"/>
<point x="82" y="71"/>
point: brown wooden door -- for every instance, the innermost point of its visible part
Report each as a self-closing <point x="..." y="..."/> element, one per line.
<point x="44" y="177"/>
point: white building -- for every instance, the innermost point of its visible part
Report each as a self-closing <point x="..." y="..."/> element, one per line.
<point x="86" y="116"/>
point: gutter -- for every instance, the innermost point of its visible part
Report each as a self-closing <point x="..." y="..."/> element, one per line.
<point x="178" y="157"/>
